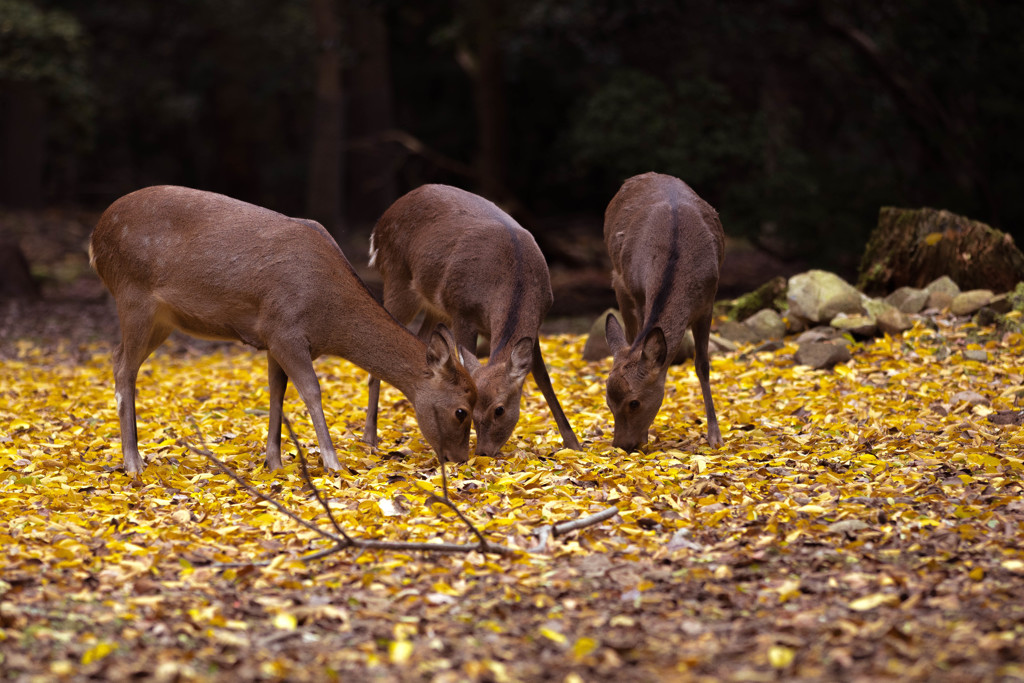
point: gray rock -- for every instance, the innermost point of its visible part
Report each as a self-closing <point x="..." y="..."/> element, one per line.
<point x="968" y="302"/>
<point x="596" y="346"/>
<point x="819" y="296"/>
<point x="893" y="321"/>
<point x="717" y="345"/>
<point x="737" y="332"/>
<point x="860" y="324"/>
<point x="944" y="285"/>
<point x="685" y="350"/>
<point x="908" y="299"/>
<point x="980" y="355"/>
<point x="939" y="300"/>
<point x="821" y="355"/>
<point x="817" y="334"/>
<point x="766" y="324"/>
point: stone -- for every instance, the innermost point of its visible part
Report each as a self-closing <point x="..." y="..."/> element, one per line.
<point x="596" y="346"/>
<point x="908" y="299"/>
<point x="980" y="355"/>
<point x="889" y="319"/>
<point x="822" y="355"/>
<point x="817" y="334"/>
<point x="970" y="301"/>
<point x="943" y="284"/>
<point x="771" y="294"/>
<point x="859" y="324"/>
<point x="766" y="324"/>
<point x="893" y="321"/>
<point x="939" y="300"/>
<point x="819" y="296"/>
<point x="737" y="332"/>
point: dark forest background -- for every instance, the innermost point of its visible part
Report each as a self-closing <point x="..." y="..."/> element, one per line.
<point x="797" y="119"/>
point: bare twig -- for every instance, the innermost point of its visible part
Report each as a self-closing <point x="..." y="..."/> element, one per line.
<point x="572" y="525"/>
<point x="309" y="481"/>
<point x="256" y="492"/>
<point x="581" y="522"/>
<point x="342" y="540"/>
<point x="416" y="146"/>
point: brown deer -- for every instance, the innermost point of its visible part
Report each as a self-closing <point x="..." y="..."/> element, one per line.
<point x="464" y="261"/>
<point x="666" y="246"/>
<point x="219" y="268"/>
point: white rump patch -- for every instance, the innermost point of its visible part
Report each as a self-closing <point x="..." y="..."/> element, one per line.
<point x="373" y="251"/>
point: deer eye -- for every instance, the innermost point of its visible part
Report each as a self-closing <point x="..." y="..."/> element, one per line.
<point x="634" y="404"/>
<point x="460" y="415"/>
<point x="499" y="411"/>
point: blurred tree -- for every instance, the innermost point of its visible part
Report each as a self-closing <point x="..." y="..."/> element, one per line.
<point x="372" y="158"/>
<point x="46" y="102"/>
<point x="324" y="190"/>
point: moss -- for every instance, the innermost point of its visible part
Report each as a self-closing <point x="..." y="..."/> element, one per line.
<point x="1017" y="297"/>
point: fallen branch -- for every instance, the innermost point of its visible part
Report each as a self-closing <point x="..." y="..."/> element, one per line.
<point x="342" y="540"/>
<point x="572" y="525"/>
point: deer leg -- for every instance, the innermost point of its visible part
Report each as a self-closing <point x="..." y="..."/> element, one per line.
<point x="277" y="380"/>
<point x="540" y="376"/>
<point x="140" y="335"/>
<point x="299" y="368"/>
<point x="701" y="333"/>
<point x="403" y="305"/>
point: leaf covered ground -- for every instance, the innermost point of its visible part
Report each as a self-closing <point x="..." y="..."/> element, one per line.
<point x="864" y="523"/>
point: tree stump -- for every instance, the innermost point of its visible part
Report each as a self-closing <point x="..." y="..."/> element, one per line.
<point x="913" y="247"/>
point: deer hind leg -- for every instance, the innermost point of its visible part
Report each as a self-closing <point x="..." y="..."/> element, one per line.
<point x="403" y="304"/>
<point x="277" y="380"/>
<point x="141" y="333"/>
<point x="702" y="365"/>
<point x="543" y="380"/>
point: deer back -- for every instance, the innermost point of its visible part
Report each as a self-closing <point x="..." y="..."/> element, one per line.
<point x="666" y="246"/>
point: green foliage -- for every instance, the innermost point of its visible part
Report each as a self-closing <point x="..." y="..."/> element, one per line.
<point x="690" y="128"/>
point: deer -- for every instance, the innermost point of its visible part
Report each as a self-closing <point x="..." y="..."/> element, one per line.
<point x="219" y="268"/>
<point x="666" y="246"/>
<point x="463" y="261"/>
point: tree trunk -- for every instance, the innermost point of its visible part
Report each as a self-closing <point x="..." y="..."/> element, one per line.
<point x="489" y="83"/>
<point x="372" y="164"/>
<point x="324" y="198"/>
<point x="23" y="153"/>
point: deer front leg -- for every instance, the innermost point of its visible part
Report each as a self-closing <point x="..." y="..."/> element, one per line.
<point x="299" y="368"/>
<point x="702" y="366"/>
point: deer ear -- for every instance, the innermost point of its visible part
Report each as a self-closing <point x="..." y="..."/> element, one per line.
<point x="521" y="362"/>
<point x="655" y="349"/>
<point x="613" y="334"/>
<point x="469" y="360"/>
<point x="441" y="349"/>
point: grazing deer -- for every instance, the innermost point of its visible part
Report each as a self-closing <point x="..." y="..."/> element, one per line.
<point x="666" y="246"/>
<point x="464" y="261"/>
<point x="219" y="268"/>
